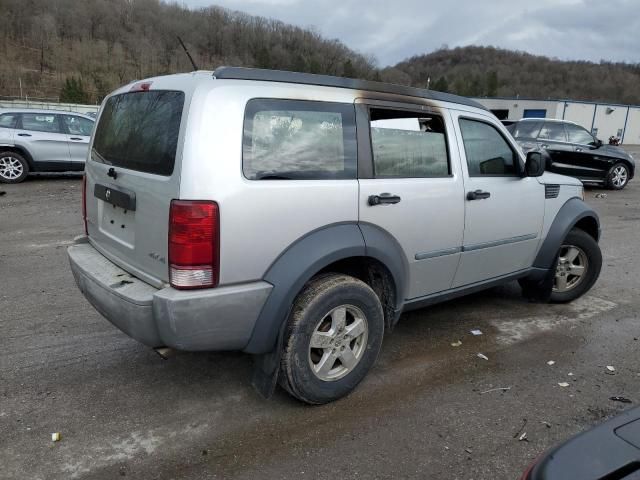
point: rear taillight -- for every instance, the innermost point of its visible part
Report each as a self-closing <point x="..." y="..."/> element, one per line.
<point x="194" y="232"/>
<point x="84" y="204"/>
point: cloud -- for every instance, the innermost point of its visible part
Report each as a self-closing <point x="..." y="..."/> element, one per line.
<point x="392" y="31"/>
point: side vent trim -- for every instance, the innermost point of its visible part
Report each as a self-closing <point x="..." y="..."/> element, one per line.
<point x="551" y="191"/>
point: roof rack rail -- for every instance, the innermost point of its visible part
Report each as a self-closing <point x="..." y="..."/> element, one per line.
<point x="241" y="73"/>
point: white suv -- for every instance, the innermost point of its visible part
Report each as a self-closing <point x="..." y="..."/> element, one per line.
<point x="295" y="217"/>
<point x="42" y="141"/>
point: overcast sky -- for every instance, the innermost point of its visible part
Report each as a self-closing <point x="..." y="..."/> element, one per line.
<point x="396" y="29"/>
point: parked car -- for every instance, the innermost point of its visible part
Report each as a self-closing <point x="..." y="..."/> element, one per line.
<point x="295" y="217"/>
<point x="575" y="151"/>
<point x="608" y="451"/>
<point x="42" y="141"/>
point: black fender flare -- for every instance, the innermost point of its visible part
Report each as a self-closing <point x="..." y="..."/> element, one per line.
<point x="567" y="217"/>
<point x="310" y="254"/>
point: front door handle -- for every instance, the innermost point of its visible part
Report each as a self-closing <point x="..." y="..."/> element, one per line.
<point x="478" y="195"/>
<point x="578" y="149"/>
<point x="544" y="146"/>
<point x="24" y="134"/>
<point x="76" y="139"/>
<point x="383" y="198"/>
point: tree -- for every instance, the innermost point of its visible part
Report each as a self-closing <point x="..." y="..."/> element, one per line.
<point x="441" y="85"/>
<point x="492" y="84"/>
<point x="73" y="91"/>
<point x="348" y="70"/>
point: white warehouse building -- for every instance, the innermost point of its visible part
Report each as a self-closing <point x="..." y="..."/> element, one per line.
<point x="602" y="119"/>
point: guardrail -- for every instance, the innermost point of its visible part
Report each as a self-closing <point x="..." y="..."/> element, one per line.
<point x="48" y="105"/>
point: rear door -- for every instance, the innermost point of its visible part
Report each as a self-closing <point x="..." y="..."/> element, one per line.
<point x="553" y="138"/>
<point x="42" y="135"/>
<point x="503" y="210"/>
<point x="132" y="175"/>
<point x="78" y="130"/>
<point x="413" y="189"/>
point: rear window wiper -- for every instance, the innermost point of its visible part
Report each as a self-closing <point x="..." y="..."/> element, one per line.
<point x="272" y="176"/>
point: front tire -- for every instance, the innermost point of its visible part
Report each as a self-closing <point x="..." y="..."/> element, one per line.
<point x="618" y="177"/>
<point x="577" y="268"/>
<point x="13" y="167"/>
<point x="333" y="338"/>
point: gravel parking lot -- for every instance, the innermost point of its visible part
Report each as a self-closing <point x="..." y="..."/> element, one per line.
<point x="422" y="413"/>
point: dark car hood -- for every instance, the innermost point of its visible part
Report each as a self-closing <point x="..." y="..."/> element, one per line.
<point x="613" y="151"/>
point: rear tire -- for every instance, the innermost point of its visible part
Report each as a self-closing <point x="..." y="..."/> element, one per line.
<point x="13" y="167"/>
<point x="618" y="177"/>
<point x="332" y="340"/>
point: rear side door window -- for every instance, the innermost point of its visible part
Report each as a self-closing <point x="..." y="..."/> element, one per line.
<point x="408" y="144"/>
<point x="487" y="151"/>
<point x="553" y="131"/>
<point x="299" y="140"/>
<point x="41" y="122"/>
<point x="527" y="129"/>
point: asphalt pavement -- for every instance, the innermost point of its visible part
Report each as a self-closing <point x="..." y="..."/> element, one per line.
<point x="427" y="410"/>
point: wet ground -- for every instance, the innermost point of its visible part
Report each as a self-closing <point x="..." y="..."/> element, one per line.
<point x="428" y="410"/>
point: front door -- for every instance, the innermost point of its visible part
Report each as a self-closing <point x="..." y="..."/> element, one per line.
<point x="414" y="188"/>
<point x="586" y="161"/>
<point x="43" y="136"/>
<point x="503" y="210"/>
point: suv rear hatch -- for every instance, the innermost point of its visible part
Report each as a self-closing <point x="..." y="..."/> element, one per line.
<point x="132" y="175"/>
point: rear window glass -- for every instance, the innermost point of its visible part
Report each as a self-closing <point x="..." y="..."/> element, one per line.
<point x="139" y="131"/>
<point x="299" y="140"/>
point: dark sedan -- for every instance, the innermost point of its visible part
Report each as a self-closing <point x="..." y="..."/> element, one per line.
<point x="610" y="451"/>
<point x="575" y="152"/>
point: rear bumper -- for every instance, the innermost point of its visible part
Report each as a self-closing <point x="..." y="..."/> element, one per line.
<point x="213" y="319"/>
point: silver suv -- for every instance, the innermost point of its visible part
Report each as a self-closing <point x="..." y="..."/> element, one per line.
<point x="42" y="141"/>
<point x="295" y="217"/>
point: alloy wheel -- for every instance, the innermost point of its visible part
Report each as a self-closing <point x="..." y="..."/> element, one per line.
<point x="10" y="168"/>
<point x="619" y="176"/>
<point x="338" y="343"/>
<point x="571" y="268"/>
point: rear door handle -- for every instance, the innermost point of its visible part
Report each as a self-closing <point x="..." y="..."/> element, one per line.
<point x="544" y="146"/>
<point x="383" y="198"/>
<point x="24" y="134"/>
<point x="76" y="139"/>
<point x="478" y="195"/>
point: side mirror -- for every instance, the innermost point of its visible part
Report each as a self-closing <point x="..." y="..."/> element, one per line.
<point x="598" y="143"/>
<point x="536" y="163"/>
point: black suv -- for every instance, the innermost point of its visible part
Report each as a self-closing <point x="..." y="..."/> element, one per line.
<point x="575" y="152"/>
